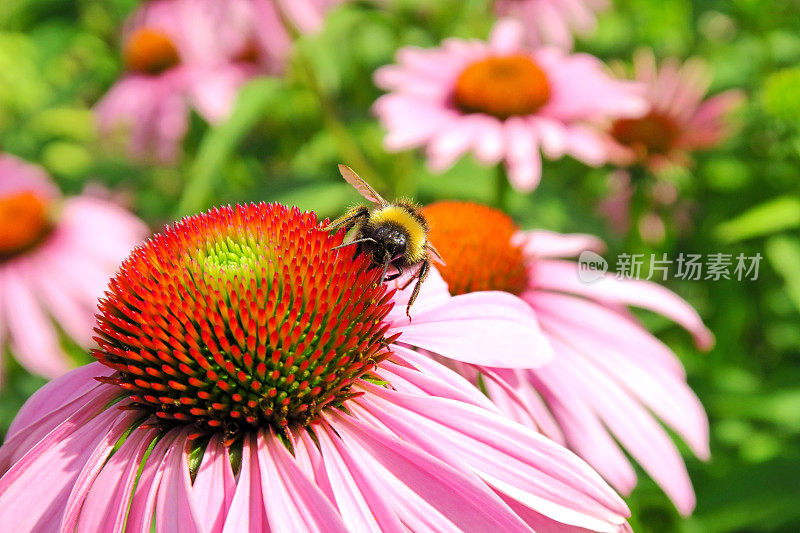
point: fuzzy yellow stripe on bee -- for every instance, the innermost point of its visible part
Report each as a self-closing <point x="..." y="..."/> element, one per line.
<point x="416" y="231"/>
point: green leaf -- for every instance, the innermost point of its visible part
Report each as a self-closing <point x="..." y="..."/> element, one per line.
<point x="767" y="218"/>
<point x="783" y="254"/>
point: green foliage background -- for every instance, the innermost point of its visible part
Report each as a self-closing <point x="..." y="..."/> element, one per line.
<point x="58" y="57"/>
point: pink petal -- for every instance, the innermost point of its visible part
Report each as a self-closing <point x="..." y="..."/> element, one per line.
<point x="507" y="36"/>
<point x="426" y="493"/>
<point x="486" y="328"/>
<point x="33" y="338"/>
<point x="511" y="458"/>
<point x="665" y="393"/>
<point x="175" y="500"/>
<point x="106" y="505"/>
<point x="361" y="501"/>
<point x="44" y="401"/>
<point x="292" y="501"/>
<point x="214" y="486"/>
<point x="246" y="512"/>
<point x="143" y="504"/>
<point x="547" y="244"/>
<point x="561" y="276"/>
<point x="52" y="466"/>
<point x="93" y="465"/>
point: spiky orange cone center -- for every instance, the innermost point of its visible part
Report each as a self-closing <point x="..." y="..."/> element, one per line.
<point x="242" y="317"/>
<point x="150" y="51"/>
<point x="502" y="86"/>
<point x="654" y="133"/>
<point x="476" y="243"/>
<point x="23" y="222"/>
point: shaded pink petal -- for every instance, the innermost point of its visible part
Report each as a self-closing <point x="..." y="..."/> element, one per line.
<point x="429" y="377"/>
<point x="561" y="276"/>
<point x="486" y="328"/>
<point x="665" y="393"/>
<point x="361" y="500"/>
<point x="551" y="244"/>
<point x="33" y="338"/>
<point x="93" y="465"/>
<point x="54" y="395"/>
<point x="175" y="500"/>
<point x="52" y="466"/>
<point x="106" y="505"/>
<point x="426" y="493"/>
<point x="214" y="485"/>
<point x="246" y="512"/>
<point x="292" y="501"/>
<point x="636" y="430"/>
<point x="513" y="459"/>
<point x="582" y="428"/>
<point x="143" y="503"/>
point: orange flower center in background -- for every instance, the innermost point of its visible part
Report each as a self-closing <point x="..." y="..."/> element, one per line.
<point x="475" y="242"/>
<point x="23" y="221"/>
<point x="502" y="87"/>
<point x="150" y="51"/>
<point x="654" y="133"/>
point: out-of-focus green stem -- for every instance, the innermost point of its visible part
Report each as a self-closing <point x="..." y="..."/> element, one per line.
<point x="405" y="182"/>
<point x="501" y="188"/>
<point x="347" y="145"/>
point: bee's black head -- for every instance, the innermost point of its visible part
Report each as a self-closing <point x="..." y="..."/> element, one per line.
<point x="389" y="238"/>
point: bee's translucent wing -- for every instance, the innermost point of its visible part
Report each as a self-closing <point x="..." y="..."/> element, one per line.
<point x="361" y="186"/>
<point x="433" y="254"/>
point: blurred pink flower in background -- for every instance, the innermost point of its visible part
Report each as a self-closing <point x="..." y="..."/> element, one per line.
<point x="179" y="55"/>
<point x="679" y="121"/>
<point x="195" y="54"/>
<point x="300" y="412"/>
<point x="501" y="101"/>
<point x="608" y="378"/>
<point x="553" y="21"/>
<point x="55" y="259"/>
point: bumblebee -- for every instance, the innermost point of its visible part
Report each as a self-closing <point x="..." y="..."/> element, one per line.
<point x="394" y="233"/>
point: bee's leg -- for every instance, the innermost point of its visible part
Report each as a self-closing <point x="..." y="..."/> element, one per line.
<point x="357" y="241"/>
<point x="356" y="215"/>
<point x="395" y="276"/>
<point x="421" y="275"/>
<point x="386" y="260"/>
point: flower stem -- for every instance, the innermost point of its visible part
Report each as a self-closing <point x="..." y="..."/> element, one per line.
<point x="501" y="188"/>
<point x="347" y="145"/>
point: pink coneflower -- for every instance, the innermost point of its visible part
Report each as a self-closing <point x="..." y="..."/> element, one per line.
<point x="609" y="378"/>
<point x="679" y="121"/>
<point x="179" y="55"/>
<point x="55" y="258"/>
<point x="501" y="101"/>
<point x="249" y="380"/>
<point x="553" y="21"/>
<point x="274" y="21"/>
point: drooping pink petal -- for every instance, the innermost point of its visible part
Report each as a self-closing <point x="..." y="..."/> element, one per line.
<point x="489" y="328"/>
<point x="427" y="494"/>
<point x="176" y="510"/>
<point x="561" y="276"/>
<point x="511" y="458"/>
<point x="292" y="501"/>
<point x="52" y="466"/>
<point x="550" y="244"/>
<point x="143" y="503"/>
<point x="357" y="495"/>
<point x="214" y="486"/>
<point x="247" y="512"/>
<point x="106" y="505"/>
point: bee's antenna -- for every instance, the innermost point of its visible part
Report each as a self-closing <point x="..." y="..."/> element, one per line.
<point x="365" y="239"/>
